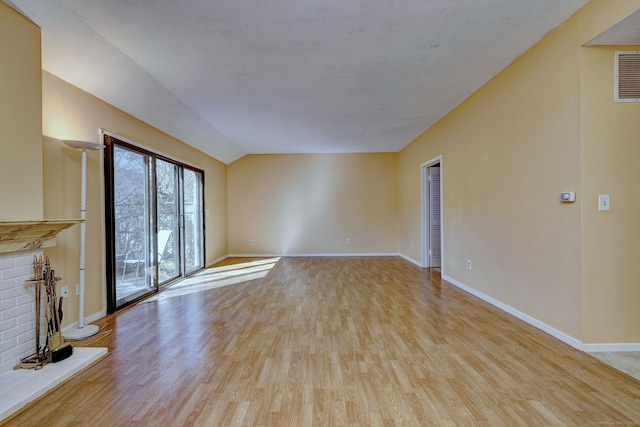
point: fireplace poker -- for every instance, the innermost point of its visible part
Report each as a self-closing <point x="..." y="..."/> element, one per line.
<point x="39" y="359"/>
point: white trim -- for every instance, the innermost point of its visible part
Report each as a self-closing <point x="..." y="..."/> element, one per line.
<point x="567" y="339"/>
<point x="424" y="206"/>
<point x="95" y="316"/>
<point x="406" y="258"/>
<point x="103" y="132"/>
<point x="215" y="261"/>
<point x="613" y="347"/>
<point x="411" y="260"/>
<point x="424" y="256"/>
<point x="313" y="255"/>
<point x="87" y="320"/>
<point x="437" y="159"/>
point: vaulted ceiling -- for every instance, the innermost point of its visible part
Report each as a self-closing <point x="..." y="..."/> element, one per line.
<point x="232" y="77"/>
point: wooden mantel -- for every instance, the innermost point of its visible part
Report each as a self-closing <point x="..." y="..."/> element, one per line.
<point x="27" y="235"/>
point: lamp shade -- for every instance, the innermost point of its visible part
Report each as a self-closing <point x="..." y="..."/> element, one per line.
<point x="83" y="145"/>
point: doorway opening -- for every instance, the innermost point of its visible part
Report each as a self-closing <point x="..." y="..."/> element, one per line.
<point x="431" y="173"/>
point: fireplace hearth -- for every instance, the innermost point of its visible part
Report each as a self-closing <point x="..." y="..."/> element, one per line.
<point x="20" y="242"/>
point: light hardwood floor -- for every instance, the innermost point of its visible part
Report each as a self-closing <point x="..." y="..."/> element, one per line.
<point x="332" y="342"/>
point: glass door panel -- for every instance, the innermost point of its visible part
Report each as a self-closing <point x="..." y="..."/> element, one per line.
<point x="153" y="220"/>
<point x="168" y="197"/>
<point x="133" y="206"/>
<point x="193" y="221"/>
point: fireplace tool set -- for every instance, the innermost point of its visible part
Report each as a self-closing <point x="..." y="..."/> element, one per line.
<point x="54" y="348"/>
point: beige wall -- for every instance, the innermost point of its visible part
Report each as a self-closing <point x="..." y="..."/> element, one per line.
<point x="508" y="151"/>
<point x="610" y="156"/>
<point x="20" y="118"/>
<point x="544" y="125"/>
<point x="611" y="240"/>
<point x="312" y="203"/>
<point x="70" y="113"/>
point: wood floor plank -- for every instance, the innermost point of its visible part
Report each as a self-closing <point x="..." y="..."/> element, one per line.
<point x="332" y="342"/>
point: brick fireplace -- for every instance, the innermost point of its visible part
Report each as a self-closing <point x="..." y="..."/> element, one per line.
<point x="17" y="308"/>
<point x="19" y="243"/>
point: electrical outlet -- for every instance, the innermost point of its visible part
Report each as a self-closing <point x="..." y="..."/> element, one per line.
<point x="253" y="242"/>
<point x="468" y="264"/>
<point x="411" y="245"/>
<point x="77" y="288"/>
<point x="64" y="291"/>
<point x="348" y="241"/>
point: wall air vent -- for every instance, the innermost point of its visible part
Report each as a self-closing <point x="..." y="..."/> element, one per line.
<point x="627" y="78"/>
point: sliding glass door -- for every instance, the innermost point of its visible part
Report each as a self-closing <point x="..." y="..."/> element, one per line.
<point x="193" y="231"/>
<point x="154" y="220"/>
<point x="133" y="206"/>
<point x="168" y="193"/>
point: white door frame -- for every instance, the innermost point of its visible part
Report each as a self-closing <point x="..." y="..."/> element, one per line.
<point x="424" y="217"/>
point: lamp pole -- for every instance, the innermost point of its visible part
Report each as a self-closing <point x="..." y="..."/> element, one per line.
<point x="82" y="330"/>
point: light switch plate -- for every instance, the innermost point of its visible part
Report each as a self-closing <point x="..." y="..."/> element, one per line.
<point x="603" y="202"/>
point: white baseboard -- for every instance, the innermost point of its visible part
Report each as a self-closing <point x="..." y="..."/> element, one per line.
<point x="87" y="320"/>
<point x="215" y="261"/>
<point x="311" y="255"/>
<point x="520" y="315"/>
<point x="612" y="347"/>
<point x="95" y="316"/>
<point x="411" y="260"/>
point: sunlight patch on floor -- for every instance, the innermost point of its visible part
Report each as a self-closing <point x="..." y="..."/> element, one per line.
<point x="216" y="277"/>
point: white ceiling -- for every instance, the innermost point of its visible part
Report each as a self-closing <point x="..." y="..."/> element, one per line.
<point x="625" y="32"/>
<point x="232" y="77"/>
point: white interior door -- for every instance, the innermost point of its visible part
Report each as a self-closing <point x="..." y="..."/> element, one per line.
<point x="434" y="217"/>
<point x="431" y="173"/>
